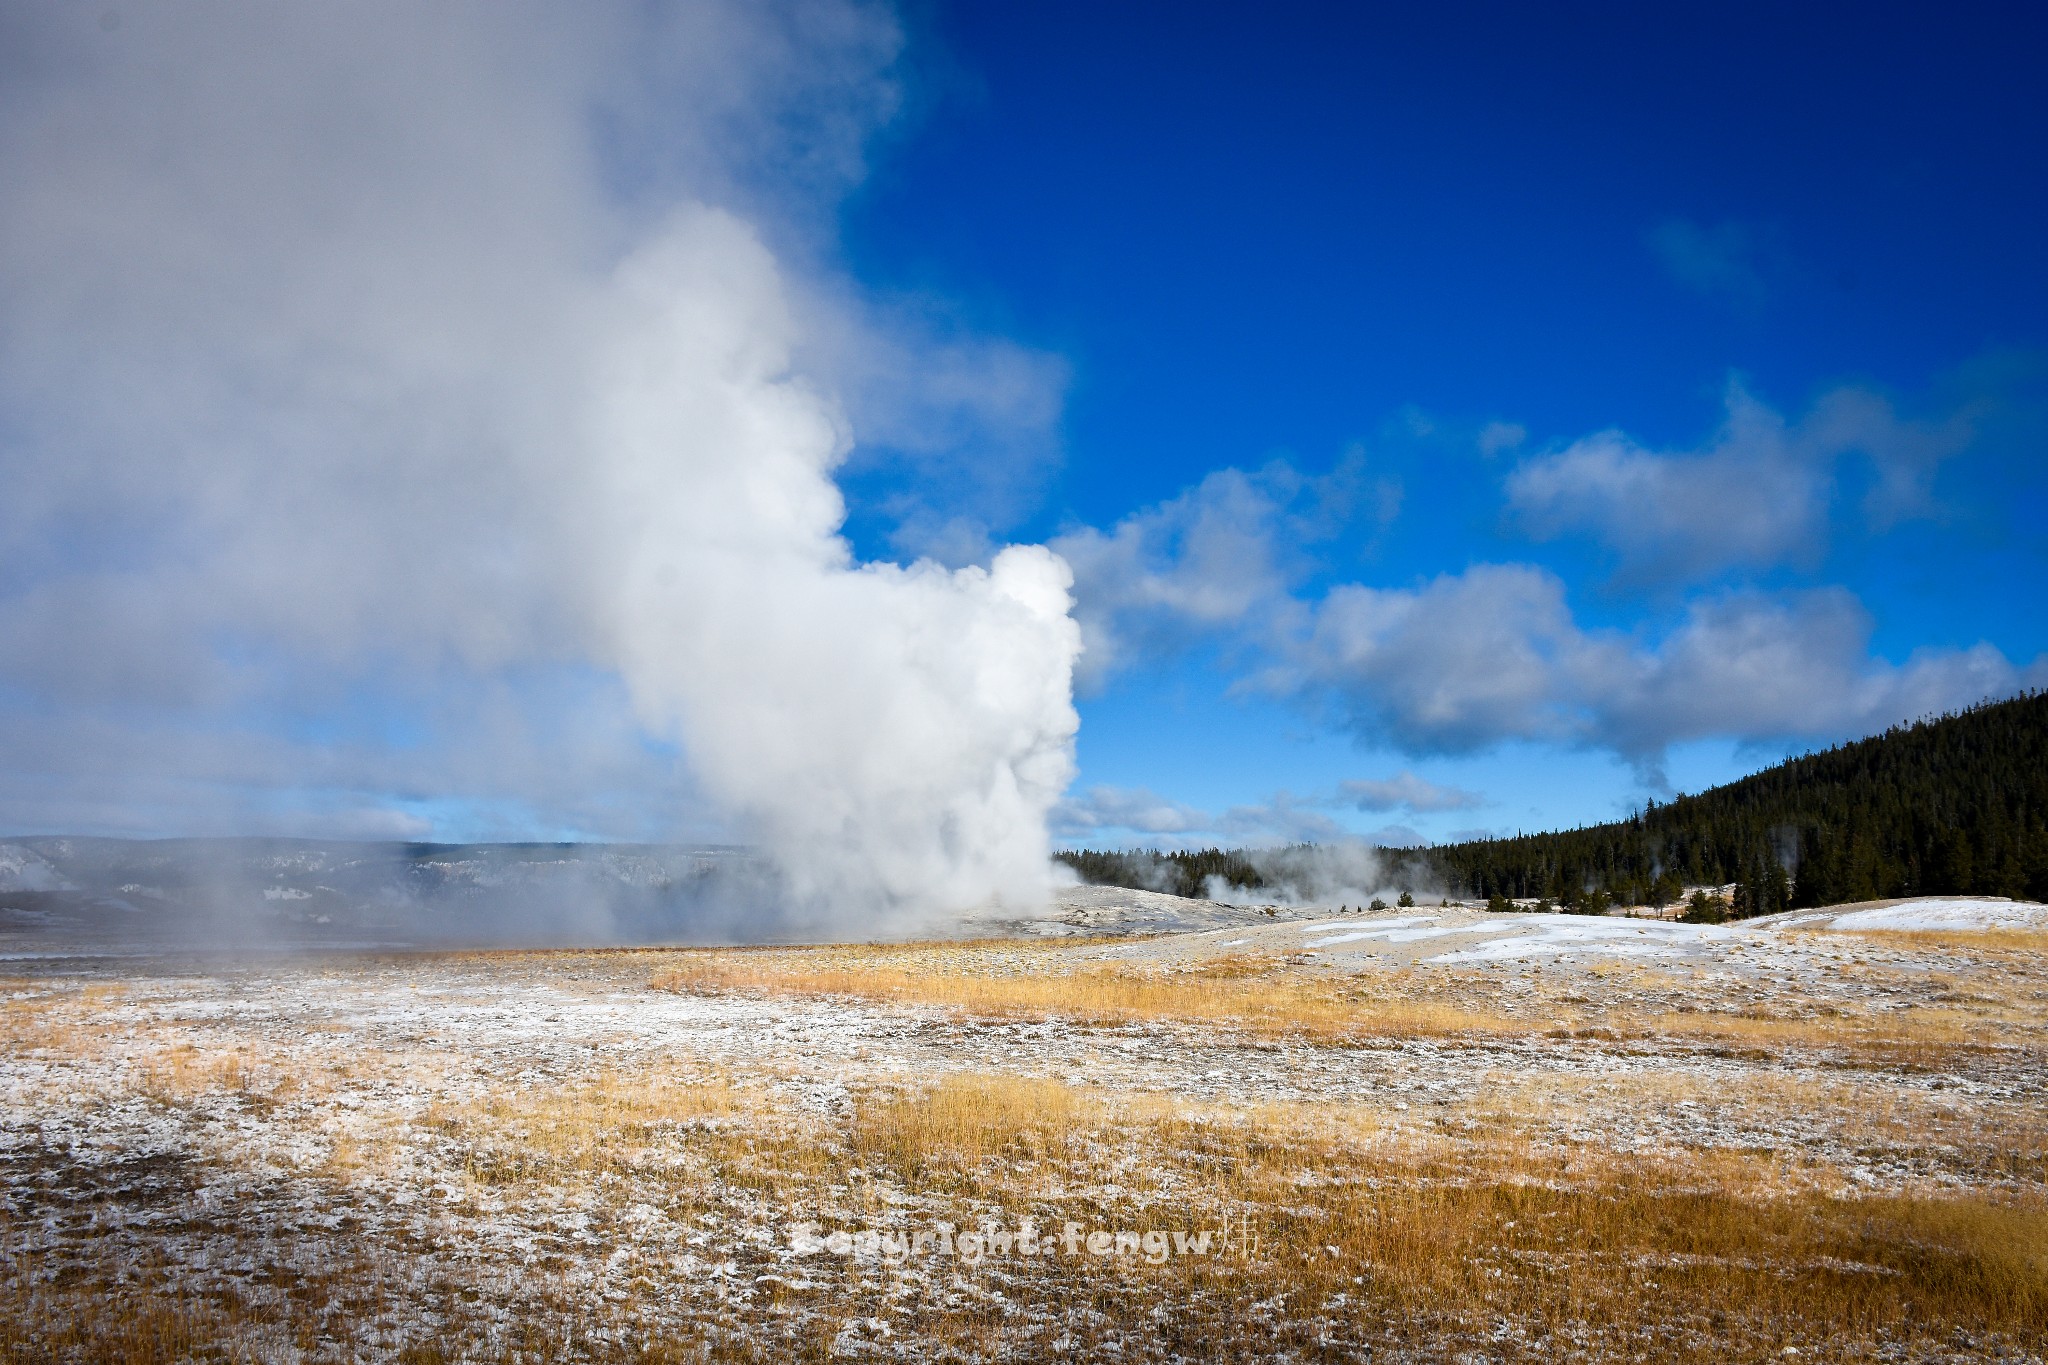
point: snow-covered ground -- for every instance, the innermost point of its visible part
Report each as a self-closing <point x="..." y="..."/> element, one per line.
<point x="246" y="1128"/>
<point x="1960" y="913"/>
<point x="1116" y="911"/>
<point x="1745" y="949"/>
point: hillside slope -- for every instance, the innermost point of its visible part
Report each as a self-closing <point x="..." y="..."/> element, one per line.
<point x="1953" y="805"/>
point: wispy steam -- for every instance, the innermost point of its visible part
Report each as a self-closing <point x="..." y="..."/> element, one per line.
<point x="438" y="400"/>
<point x="1320" y="874"/>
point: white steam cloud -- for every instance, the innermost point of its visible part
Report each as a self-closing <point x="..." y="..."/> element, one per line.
<point x="903" y="728"/>
<point x="409" y="398"/>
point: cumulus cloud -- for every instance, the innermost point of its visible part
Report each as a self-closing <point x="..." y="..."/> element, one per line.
<point x="1454" y="664"/>
<point x="1462" y="661"/>
<point x="1102" y="810"/>
<point x="1748" y="497"/>
<point x="423" y="409"/>
<point x="1494" y="653"/>
<point x="1183" y="569"/>
<point x="1758" y="493"/>
<point x="1406" y="791"/>
<point x="1140" y="817"/>
<point x="1759" y="667"/>
<point x="1226" y="552"/>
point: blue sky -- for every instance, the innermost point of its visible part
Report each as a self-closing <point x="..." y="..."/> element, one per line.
<point x="1314" y="234"/>
<point x="438" y="422"/>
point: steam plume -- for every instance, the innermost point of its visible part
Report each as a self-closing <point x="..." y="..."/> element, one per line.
<point x="407" y="399"/>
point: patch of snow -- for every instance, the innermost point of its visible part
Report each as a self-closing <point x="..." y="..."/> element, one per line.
<point x="1947" y="914"/>
<point x="1391" y="922"/>
<point x="1553" y="934"/>
<point x="1401" y="934"/>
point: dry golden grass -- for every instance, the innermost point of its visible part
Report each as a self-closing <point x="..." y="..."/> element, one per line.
<point x="106" y="1325"/>
<point x="174" y="1072"/>
<point x="1364" y="1235"/>
<point x="1505" y="1223"/>
<point x="2031" y="943"/>
<point x="963" y="1122"/>
<point x="37" y="1019"/>
<point x="1513" y="1233"/>
<point x="1243" y="993"/>
<point x="607" y="1122"/>
<point x="1268" y="997"/>
<point x="1357" y="1229"/>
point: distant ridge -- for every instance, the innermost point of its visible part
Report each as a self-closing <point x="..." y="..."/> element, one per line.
<point x="1955" y="805"/>
<point x="296" y="893"/>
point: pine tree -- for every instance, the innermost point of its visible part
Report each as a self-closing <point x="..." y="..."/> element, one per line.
<point x="1954" y="805"/>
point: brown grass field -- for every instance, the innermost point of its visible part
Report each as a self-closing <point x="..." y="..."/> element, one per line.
<point x="616" y="1156"/>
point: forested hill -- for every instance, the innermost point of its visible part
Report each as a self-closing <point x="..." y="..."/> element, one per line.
<point x="1953" y="805"/>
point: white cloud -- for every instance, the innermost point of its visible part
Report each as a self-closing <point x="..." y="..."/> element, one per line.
<point x="413" y="404"/>
<point x="1139" y="817"/>
<point x="1758" y="667"/>
<point x="1757" y="494"/>
<point x="1137" y="810"/>
<point x="1201" y="562"/>
<point x="1406" y="791"/>
<point x="1750" y="496"/>
<point x="1494" y="653"/>
<point x="1215" y="562"/>
<point x="1454" y="664"/>
<point x="1469" y="660"/>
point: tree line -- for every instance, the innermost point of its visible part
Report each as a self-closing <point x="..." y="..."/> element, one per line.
<point x="1177" y="873"/>
<point x="1953" y="805"/>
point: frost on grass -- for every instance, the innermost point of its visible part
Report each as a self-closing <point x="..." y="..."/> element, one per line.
<point x="1829" y="1141"/>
